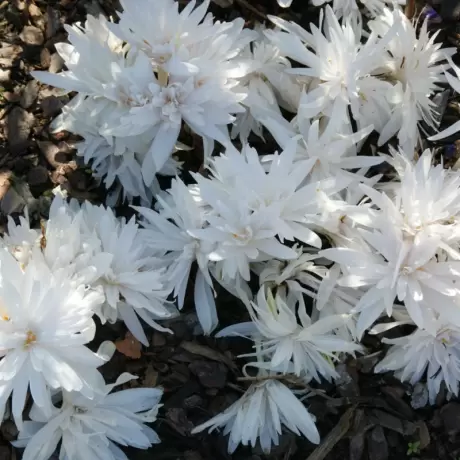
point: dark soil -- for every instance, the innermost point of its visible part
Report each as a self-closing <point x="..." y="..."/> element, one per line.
<point x="366" y="416"/>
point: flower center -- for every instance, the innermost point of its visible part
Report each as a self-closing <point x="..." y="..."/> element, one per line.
<point x="243" y="236"/>
<point x="31" y="338"/>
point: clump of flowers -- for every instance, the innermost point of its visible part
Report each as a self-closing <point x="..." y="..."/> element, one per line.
<point x="320" y="240"/>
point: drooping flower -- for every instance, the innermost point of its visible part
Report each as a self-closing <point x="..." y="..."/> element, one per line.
<point x="90" y="429"/>
<point x="434" y="355"/>
<point x="260" y="415"/>
<point x="307" y="347"/>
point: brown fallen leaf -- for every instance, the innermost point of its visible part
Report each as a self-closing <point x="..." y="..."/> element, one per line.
<point x="150" y="378"/>
<point x="129" y="346"/>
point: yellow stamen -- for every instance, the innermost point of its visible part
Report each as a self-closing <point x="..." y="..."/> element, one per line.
<point x="31" y="338"/>
<point x="163" y="77"/>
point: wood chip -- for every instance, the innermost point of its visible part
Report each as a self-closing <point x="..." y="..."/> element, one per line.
<point x="32" y="35"/>
<point x="334" y="436"/>
<point x="5" y="182"/>
<point x="206" y="352"/>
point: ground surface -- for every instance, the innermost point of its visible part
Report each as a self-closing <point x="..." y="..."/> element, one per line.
<point x="365" y="416"/>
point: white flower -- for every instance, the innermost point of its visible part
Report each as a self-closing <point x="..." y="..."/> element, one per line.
<point x="131" y="277"/>
<point x="260" y="414"/>
<point x="414" y="65"/>
<point x="305" y="277"/>
<point x="435" y="354"/>
<point x="267" y="85"/>
<point x="282" y="196"/>
<point x="169" y="233"/>
<point x="20" y="239"/>
<point x="331" y="145"/>
<point x="45" y="324"/>
<point x="90" y="57"/>
<point x="284" y="3"/>
<point x="308" y="348"/>
<point x="90" y="429"/>
<point x="427" y="199"/>
<point x="392" y="266"/>
<point x="341" y="66"/>
<point x="147" y="85"/>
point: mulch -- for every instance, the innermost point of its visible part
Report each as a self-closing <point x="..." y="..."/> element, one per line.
<point x="364" y="416"/>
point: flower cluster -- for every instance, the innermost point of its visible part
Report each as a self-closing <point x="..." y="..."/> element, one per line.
<point x="82" y="262"/>
<point x="320" y="241"/>
<point x="141" y="79"/>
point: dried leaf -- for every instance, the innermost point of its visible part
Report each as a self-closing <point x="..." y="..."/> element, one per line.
<point x="129" y="346"/>
<point x="201" y="350"/>
<point x="151" y="377"/>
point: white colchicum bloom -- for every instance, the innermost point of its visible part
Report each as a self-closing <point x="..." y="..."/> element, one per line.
<point x="144" y="77"/>
<point x="130" y="277"/>
<point x="267" y="84"/>
<point x="250" y="206"/>
<point x="260" y="414"/>
<point x="169" y="233"/>
<point x="308" y="348"/>
<point x="44" y="327"/>
<point x="91" y="429"/>
<point x="327" y="141"/>
<point x="434" y="355"/>
<point x="342" y="68"/>
<point x="413" y="61"/>
<point x="391" y="266"/>
<point x="89" y="245"/>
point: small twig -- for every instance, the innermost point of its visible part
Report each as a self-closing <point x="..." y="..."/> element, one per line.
<point x="334" y="436"/>
<point x="251" y="8"/>
<point x="288" y="379"/>
<point x="410" y="9"/>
